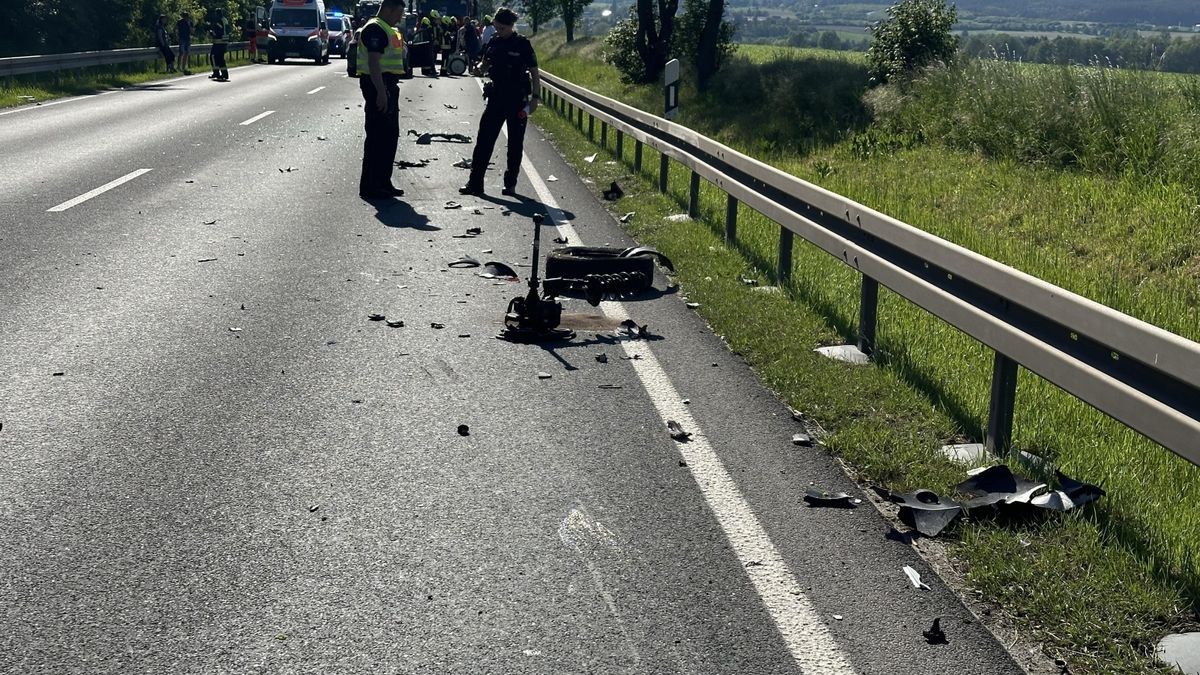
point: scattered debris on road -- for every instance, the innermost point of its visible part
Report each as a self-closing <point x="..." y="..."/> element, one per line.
<point x="542" y="375"/>
<point x="465" y="261"/>
<point x="915" y="578"/>
<point x="633" y="329"/>
<point x="628" y="216"/>
<point x="452" y="205"/>
<point x="376" y="317"/>
<point x="428" y="137"/>
<point x="396" y="324"/>
<point x="464" y="430"/>
<point x="497" y="270"/>
<point x="817" y="497"/>
<point x="802" y="439"/>
<point x="935" y="635"/>
<point x="437" y="326"/>
<point x="602" y="358"/>
<point x="677" y="431"/>
<point x="207" y="260"/>
<point x="404" y="164"/>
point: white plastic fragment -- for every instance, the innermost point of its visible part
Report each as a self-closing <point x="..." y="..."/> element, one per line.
<point x="915" y="578"/>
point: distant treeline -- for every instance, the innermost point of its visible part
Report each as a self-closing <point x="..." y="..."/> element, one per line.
<point x="1159" y="52"/>
<point x="60" y="26"/>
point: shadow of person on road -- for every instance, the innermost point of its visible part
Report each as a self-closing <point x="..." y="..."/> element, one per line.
<point x="395" y="213"/>
<point x="524" y="206"/>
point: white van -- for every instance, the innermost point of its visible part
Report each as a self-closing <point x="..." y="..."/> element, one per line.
<point x="298" y="28"/>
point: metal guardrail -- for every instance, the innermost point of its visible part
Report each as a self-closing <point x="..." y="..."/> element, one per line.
<point x="25" y="65"/>
<point x="1145" y="377"/>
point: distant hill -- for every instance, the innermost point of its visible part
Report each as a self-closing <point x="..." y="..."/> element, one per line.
<point x="1157" y="12"/>
<point x="1122" y="12"/>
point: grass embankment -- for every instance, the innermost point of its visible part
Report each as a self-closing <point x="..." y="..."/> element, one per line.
<point x="39" y="87"/>
<point x="1097" y="586"/>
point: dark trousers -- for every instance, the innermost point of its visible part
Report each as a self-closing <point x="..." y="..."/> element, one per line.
<point x="218" y="59"/>
<point x="499" y="112"/>
<point x="383" y="135"/>
<point x="168" y="57"/>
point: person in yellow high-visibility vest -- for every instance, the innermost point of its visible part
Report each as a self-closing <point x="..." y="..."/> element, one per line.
<point x="380" y="63"/>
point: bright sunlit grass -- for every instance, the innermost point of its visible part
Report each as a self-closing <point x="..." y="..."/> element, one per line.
<point x="1122" y="240"/>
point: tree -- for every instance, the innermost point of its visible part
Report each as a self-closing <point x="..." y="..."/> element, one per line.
<point x="639" y="46"/>
<point x="538" y="12"/>
<point x="571" y="11"/>
<point x="655" y="28"/>
<point x="703" y="38"/>
<point x="916" y="35"/>
<point x="829" y="40"/>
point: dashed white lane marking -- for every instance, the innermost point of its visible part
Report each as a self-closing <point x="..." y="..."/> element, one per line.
<point x="315" y="90"/>
<point x="256" y="118"/>
<point x="807" y="637"/>
<point x="100" y="190"/>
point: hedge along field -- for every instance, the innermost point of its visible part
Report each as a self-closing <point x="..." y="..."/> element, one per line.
<point x="1123" y="239"/>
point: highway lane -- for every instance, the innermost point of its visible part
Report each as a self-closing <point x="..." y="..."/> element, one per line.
<point x="236" y="471"/>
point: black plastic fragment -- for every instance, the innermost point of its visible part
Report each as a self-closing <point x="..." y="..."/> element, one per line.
<point x="924" y="510"/>
<point x="824" y="498"/>
<point x="997" y="484"/>
<point x="935" y="635"/>
<point x="614" y="192"/>
<point x="677" y="431"/>
<point x="464" y="430"/>
<point x="465" y="261"/>
<point x="497" y="270"/>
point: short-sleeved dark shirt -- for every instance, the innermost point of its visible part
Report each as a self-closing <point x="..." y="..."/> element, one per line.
<point x="509" y="61"/>
<point x="183" y="28"/>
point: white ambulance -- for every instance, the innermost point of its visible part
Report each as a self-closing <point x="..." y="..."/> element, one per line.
<point x="298" y="29"/>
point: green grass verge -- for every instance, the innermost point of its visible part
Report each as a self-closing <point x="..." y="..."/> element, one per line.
<point x="1097" y="587"/>
<point x="39" y="87"/>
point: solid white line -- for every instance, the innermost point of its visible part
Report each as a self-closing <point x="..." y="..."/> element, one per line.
<point x="256" y="118"/>
<point x="100" y="190"/>
<point x="33" y="106"/>
<point x="317" y="89"/>
<point x="805" y="633"/>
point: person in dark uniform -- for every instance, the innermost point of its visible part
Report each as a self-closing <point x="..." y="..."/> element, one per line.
<point x="512" y="96"/>
<point x="220" y="41"/>
<point x="379" y="79"/>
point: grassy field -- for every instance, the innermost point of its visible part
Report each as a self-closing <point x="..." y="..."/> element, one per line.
<point x="1097" y="587"/>
<point x="38" y="87"/>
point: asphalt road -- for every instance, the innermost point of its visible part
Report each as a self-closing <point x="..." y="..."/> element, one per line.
<point x="211" y="461"/>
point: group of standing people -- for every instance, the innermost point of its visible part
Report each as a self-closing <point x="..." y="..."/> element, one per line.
<point x="449" y="35"/>
<point x="504" y="55"/>
<point x="218" y="33"/>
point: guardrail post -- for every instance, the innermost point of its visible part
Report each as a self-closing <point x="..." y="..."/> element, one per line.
<point x="591" y="128"/>
<point x="663" y="168"/>
<point x="731" y="208"/>
<point x="694" y="196"/>
<point x="637" y="157"/>
<point x="1000" y="411"/>
<point x="620" y="145"/>
<point x="570" y="111"/>
<point x="604" y="134"/>
<point x="784" y="273"/>
<point x="579" y="124"/>
<point x="868" y="313"/>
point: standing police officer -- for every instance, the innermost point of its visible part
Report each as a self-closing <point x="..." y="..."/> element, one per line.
<point x="379" y="79"/>
<point x="512" y="96"/>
